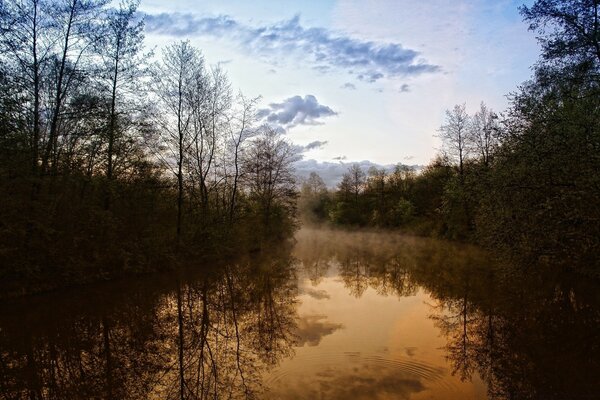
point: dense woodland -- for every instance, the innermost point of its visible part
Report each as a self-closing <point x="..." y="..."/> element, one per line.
<point x="116" y="160"/>
<point x="524" y="183"/>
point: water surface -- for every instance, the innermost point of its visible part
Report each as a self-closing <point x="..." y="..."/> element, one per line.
<point x="338" y="315"/>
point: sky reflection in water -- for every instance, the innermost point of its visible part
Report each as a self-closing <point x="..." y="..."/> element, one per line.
<point x="337" y="316"/>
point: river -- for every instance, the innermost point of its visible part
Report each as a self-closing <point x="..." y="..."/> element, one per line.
<point x="333" y="315"/>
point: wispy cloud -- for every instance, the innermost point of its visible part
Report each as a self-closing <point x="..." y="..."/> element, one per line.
<point x="370" y="77"/>
<point x="295" y="111"/>
<point x="367" y="60"/>
<point x="349" y="86"/>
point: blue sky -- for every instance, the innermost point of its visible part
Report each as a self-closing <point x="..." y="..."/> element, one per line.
<point x="357" y="80"/>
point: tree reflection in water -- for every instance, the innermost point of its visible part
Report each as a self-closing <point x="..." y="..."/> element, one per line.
<point x="529" y="334"/>
<point x="216" y="334"/>
<point x="195" y="338"/>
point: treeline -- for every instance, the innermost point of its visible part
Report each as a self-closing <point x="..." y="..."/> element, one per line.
<point x="113" y="159"/>
<point x="525" y="182"/>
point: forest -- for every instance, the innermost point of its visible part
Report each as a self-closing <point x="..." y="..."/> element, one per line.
<point x="524" y="183"/>
<point x="116" y="159"/>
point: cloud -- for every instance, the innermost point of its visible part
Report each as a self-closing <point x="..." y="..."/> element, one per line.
<point x="368" y="60"/>
<point x="363" y="378"/>
<point x="317" y="144"/>
<point x="312" y="328"/>
<point x="404" y="88"/>
<point x="332" y="172"/>
<point x="349" y="86"/>
<point x="370" y="76"/>
<point x="295" y="111"/>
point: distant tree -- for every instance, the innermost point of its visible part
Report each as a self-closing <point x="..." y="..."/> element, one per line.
<point x="314" y="199"/>
<point x="401" y="179"/>
<point x="269" y="174"/>
<point x="314" y="184"/>
<point x="377" y="190"/>
<point x="357" y="180"/>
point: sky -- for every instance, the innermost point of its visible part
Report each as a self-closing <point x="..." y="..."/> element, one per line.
<point x="357" y="80"/>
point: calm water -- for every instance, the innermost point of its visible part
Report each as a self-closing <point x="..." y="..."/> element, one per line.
<point x="337" y="316"/>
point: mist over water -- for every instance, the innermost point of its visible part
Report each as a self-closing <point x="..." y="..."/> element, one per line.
<point x="336" y="315"/>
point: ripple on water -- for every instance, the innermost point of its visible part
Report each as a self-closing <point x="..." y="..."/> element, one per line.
<point x="325" y="366"/>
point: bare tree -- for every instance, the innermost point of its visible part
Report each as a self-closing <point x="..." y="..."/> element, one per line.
<point x="178" y="73"/>
<point x="240" y="130"/>
<point x="26" y="44"/>
<point x="483" y="133"/>
<point x="119" y="50"/>
<point x="455" y="136"/>
<point x="74" y="23"/>
<point x="210" y="100"/>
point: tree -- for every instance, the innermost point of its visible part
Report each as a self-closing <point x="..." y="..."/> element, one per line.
<point x="357" y="180"/>
<point x="175" y="80"/>
<point x="269" y="174"/>
<point x="121" y="69"/>
<point x="74" y="23"/>
<point x="314" y="199"/>
<point x="484" y="134"/>
<point x="455" y="136"/>
<point x="240" y="130"/>
<point x="545" y="179"/>
<point x="569" y="31"/>
<point x="26" y="45"/>
<point x="210" y="100"/>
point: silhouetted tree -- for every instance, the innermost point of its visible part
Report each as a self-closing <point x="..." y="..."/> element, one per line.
<point x="455" y="136"/>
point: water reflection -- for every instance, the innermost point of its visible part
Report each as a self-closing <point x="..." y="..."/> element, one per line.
<point x="342" y="315"/>
<point x="199" y="337"/>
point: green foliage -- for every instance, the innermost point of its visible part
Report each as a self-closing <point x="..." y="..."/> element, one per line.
<point x="526" y="185"/>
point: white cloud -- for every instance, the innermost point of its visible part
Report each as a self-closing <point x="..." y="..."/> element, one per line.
<point x="295" y="111"/>
<point x="369" y="60"/>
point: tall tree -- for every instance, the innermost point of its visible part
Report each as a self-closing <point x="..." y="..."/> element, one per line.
<point x="454" y="134"/>
<point x="569" y="31"/>
<point x="26" y="45"/>
<point x="120" y="50"/>
<point x="484" y="133"/>
<point x="179" y="71"/>
<point x="240" y="130"/>
<point x="75" y="31"/>
<point x="269" y="174"/>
